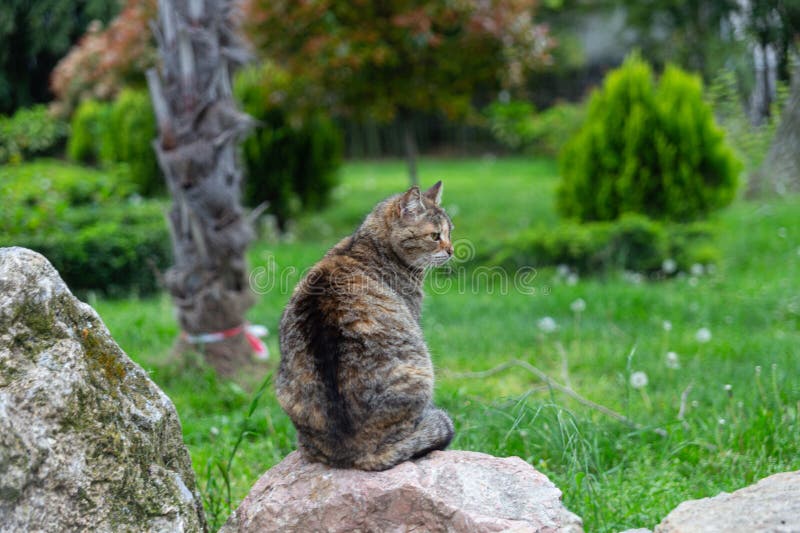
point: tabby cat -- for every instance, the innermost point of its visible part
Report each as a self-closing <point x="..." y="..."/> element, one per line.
<point x="355" y="375"/>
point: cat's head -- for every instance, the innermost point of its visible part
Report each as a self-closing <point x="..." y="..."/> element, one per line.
<point x="419" y="229"/>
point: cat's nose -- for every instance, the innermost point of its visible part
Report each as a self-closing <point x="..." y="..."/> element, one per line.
<point x="449" y="249"/>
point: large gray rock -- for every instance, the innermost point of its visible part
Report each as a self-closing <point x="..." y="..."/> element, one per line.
<point x="771" y="505"/>
<point x="87" y="441"/>
<point x="451" y="491"/>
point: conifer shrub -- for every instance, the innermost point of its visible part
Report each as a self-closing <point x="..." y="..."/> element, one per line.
<point x="292" y="158"/>
<point x="647" y="148"/>
<point x="119" y="133"/>
<point x="131" y="132"/>
<point x="86" y="131"/>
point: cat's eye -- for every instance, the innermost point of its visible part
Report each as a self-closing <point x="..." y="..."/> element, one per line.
<point x="436" y="236"/>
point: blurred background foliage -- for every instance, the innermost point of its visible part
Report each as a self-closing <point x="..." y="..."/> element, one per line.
<point x="293" y="156"/>
<point x="34" y="37"/>
<point x="670" y="135"/>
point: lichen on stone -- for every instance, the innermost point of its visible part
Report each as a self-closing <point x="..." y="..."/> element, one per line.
<point x="103" y="357"/>
<point x="87" y="441"/>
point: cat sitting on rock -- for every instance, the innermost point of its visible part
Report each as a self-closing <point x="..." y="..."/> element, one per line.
<point x="355" y="375"/>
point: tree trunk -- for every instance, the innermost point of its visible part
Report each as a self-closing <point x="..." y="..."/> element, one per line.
<point x="766" y="103"/>
<point x="780" y="172"/>
<point x="199" y="127"/>
<point x="410" y="145"/>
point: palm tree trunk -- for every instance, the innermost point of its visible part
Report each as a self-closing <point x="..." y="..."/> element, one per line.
<point x="199" y="127"/>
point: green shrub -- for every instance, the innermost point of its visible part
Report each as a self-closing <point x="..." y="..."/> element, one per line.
<point x="518" y="126"/>
<point x="132" y="129"/>
<point x="119" y="133"/>
<point x="111" y="249"/>
<point x="512" y="123"/>
<point x="555" y="126"/>
<point x="633" y="242"/>
<point x="647" y="149"/>
<point x="86" y="223"/>
<point x="37" y="194"/>
<point x="292" y="158"/>
<point x="30" y="132"/>
<point x="86" y="132"/>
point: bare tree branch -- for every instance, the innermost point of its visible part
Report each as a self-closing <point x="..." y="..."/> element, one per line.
<point x="516" y="363"/>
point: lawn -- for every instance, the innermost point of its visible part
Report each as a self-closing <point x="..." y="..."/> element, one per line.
<point x="720" y="416"/>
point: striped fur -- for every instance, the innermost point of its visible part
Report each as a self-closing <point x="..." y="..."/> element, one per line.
<point x="355" y="375"/>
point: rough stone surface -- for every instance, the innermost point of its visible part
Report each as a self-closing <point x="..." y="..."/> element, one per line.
<point x="451" y="491"/>
<point x="771" y="505"/>
<point x="87" y="441"/>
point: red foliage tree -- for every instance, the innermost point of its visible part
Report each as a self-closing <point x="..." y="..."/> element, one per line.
<point x="389" y="59"/>
<point x="104" y="61"/>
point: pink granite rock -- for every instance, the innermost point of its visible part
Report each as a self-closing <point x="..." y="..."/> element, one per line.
<point x="771" y="505"/>
<point x="452" y="491"/>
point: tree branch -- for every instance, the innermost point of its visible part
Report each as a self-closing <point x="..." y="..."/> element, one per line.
<point x="557" y="386"/>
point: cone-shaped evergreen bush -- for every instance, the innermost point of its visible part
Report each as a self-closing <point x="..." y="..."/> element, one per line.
<point x="647" y="148"/>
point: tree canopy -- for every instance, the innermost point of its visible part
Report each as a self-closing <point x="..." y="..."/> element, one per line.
<point x="34" y="34"/>
<point x="384" y="58"/>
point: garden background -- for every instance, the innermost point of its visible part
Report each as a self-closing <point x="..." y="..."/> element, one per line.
<point x="623" y="309"/>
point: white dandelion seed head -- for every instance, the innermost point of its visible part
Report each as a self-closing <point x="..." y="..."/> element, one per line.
<point x="703" y="335"/>
<point x="672" y="360"/>
<point x="758" y="370"/>
<point x="562" y="270"/>
<point x="214" y="430"/>
<point x="728" y="387"/>
<point x="578" y="306"/>
<point x="693" y="281"/>
<point x="669" y="266"/>
<point x="697" y="269"/>
<point x="695" y="403"/>
<point x="572" y="279"/>
<point x="638" y="380"/>
<point x="667" y="325"/>
<point x="721" y="421"/>
<point x="547" y="324"/>
<point x="632" y="277"/>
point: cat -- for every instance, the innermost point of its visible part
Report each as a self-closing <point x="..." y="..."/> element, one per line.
<point x="355" y="375"/>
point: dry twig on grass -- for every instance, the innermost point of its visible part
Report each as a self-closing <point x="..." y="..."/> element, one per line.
<point x="559" y="387"/>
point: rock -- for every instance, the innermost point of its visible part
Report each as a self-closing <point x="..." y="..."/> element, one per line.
<point x="87" y="441"/>
<point x="772" y="504"/>
<point x="452" y="491"/>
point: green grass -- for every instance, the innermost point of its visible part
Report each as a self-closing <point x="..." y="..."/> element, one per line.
<point x="613" y="475"/>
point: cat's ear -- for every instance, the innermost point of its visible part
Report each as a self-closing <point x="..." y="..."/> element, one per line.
<point x="434" y="194"/>
<point x="411" y="205"/>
